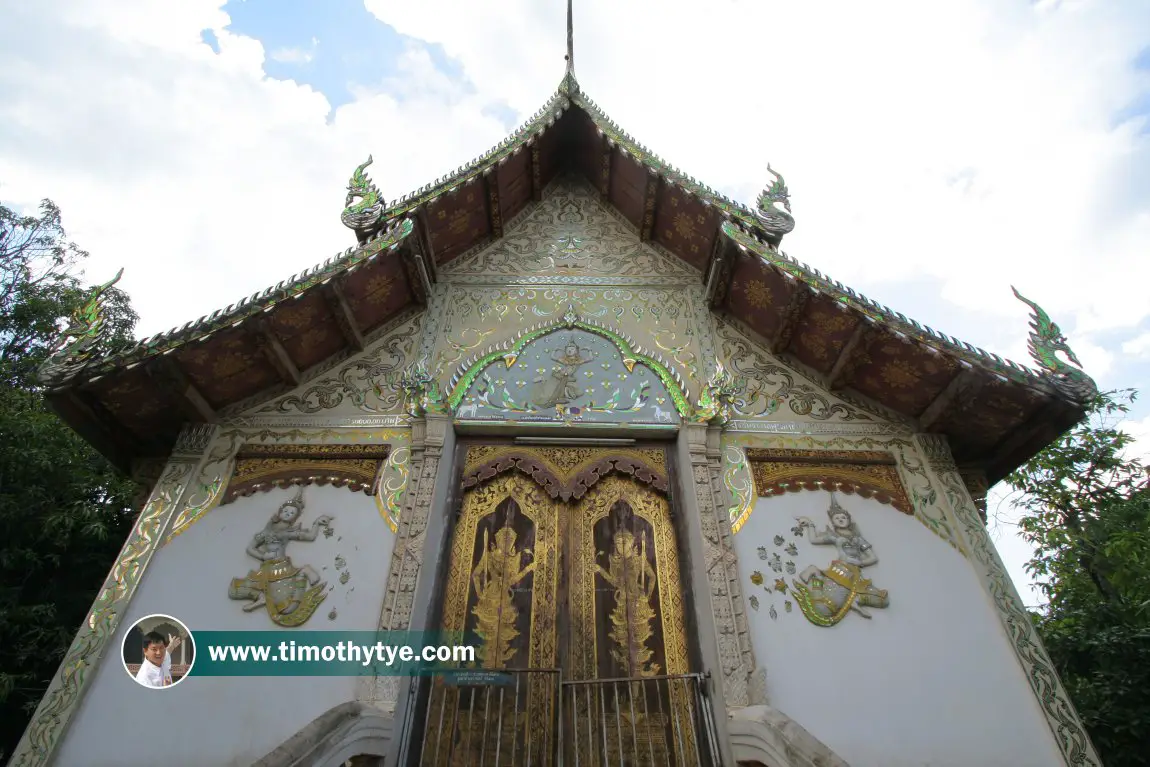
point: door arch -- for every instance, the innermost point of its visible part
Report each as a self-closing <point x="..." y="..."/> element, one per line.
<point x="574" y="599"/>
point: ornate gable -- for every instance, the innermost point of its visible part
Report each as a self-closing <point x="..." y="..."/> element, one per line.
<point x="518" y="241"/>
<point x="571" y="233"/>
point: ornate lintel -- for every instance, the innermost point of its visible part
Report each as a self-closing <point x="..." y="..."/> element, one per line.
<point x="558" y="475"/>
<point x="868" y="474"/>
<point x="261" y="468"/>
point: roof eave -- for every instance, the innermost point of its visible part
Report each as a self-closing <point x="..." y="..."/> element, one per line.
<point x="63" y="369"/>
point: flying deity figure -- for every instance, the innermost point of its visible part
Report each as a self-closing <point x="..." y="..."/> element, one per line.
<point x="563" y="388"/>
<point x="826" y="595"/>
<point x="291" y="594"/>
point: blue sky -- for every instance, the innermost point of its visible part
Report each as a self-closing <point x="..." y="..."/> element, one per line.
<point x="936" y="154"/>
<point x="333" y="46"/>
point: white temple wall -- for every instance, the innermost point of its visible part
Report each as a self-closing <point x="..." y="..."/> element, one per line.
<point x="231" y="720"/>
<point x="930" y="679"/>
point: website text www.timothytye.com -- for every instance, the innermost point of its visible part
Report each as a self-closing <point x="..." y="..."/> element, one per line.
<point x="340" y="652"/>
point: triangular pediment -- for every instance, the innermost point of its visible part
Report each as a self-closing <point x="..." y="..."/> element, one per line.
<point x="569" y="233"/>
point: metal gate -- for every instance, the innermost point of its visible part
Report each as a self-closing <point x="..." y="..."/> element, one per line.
<point x="532" y="718"/>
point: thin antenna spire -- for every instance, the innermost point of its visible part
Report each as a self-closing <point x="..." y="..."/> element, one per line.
<point x="570" y="39"/>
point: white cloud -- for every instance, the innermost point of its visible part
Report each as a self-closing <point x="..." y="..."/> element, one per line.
<point x="295" y="55"/>
<point x="207" y="180"/>
<point x="973" y="141"/>
<point x="1137" y="346"/>
<point x="1139" y="429"/>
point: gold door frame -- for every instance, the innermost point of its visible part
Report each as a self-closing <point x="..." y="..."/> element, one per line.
<point x="563" y="493"/>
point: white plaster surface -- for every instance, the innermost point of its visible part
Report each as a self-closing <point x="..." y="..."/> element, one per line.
<point x="930" y="680"/>
<point x="222" y="721"/>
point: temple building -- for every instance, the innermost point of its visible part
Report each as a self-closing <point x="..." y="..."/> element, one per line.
<point x="697" y="502"/>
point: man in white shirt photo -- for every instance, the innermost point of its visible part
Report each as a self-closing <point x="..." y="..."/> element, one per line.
<point x="156" y="670"/>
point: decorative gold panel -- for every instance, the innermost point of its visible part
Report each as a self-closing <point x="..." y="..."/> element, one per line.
<point x="565" y="473"/>
<point x="868" y="474"/>
<point x="260" y="468"/>
<point x="627" y="612"/>
<point x="500" y="595"/>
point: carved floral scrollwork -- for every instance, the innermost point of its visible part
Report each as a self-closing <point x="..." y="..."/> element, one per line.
<point x="360" y="380"/>
<point x="565" y="473"/>
<point x="763" y="387"/>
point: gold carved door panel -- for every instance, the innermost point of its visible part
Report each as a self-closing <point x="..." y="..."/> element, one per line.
<point x="627" y="638"/>
<point x="501" y="587"/>
<point x="580" y="602"/>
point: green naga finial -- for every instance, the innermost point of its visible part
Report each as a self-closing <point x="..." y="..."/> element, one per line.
<point x="421" y="391"/>
<point x="715" y="402"/>
<point x="775" y="221"/>
<point x="80" y="341"/>
<point x="1046" y="340"/>
<point x="365" y="212"/>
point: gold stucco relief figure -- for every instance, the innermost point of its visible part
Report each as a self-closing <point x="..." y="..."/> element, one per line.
<point x="499" y="571"/>
<point x="634" y="580"/>
<point x="826" y="595"/>
<point x="563" y="387"/>
<point x="291" y="594"/>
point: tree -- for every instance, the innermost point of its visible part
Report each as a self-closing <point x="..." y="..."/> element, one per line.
<point x="64" y="509"/>
<point x="1086" y="511"/>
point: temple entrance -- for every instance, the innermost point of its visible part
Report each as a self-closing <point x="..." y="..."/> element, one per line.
<point x="564" y="574"/>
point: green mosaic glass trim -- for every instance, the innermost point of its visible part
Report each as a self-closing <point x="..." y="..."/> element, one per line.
<point x="462" y="380"/>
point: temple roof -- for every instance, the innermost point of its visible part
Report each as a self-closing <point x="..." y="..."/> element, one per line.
<point x="130" y="402"/>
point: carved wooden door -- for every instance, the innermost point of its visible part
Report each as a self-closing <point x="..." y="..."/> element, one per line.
<point x="576" y="601"/>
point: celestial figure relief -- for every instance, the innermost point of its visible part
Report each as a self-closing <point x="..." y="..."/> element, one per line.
<point x="825" y="596"/>
<point x="563" y="387"/>
<point x="291" y="594"/>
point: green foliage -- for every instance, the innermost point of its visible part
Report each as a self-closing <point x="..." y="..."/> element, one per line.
<point x="1086" y="510"/>
<point x="64" y="510"/>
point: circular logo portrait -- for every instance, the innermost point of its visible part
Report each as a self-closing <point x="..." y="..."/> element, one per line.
<point x="159" y="651"/>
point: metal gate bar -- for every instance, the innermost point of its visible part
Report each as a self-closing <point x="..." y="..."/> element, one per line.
<point x="505" y="718"/>
<point x="534" y="718"/>
<point x="651" y="721"/>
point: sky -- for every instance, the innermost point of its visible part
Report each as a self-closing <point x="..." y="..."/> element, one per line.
<point x="936" y="153"/>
